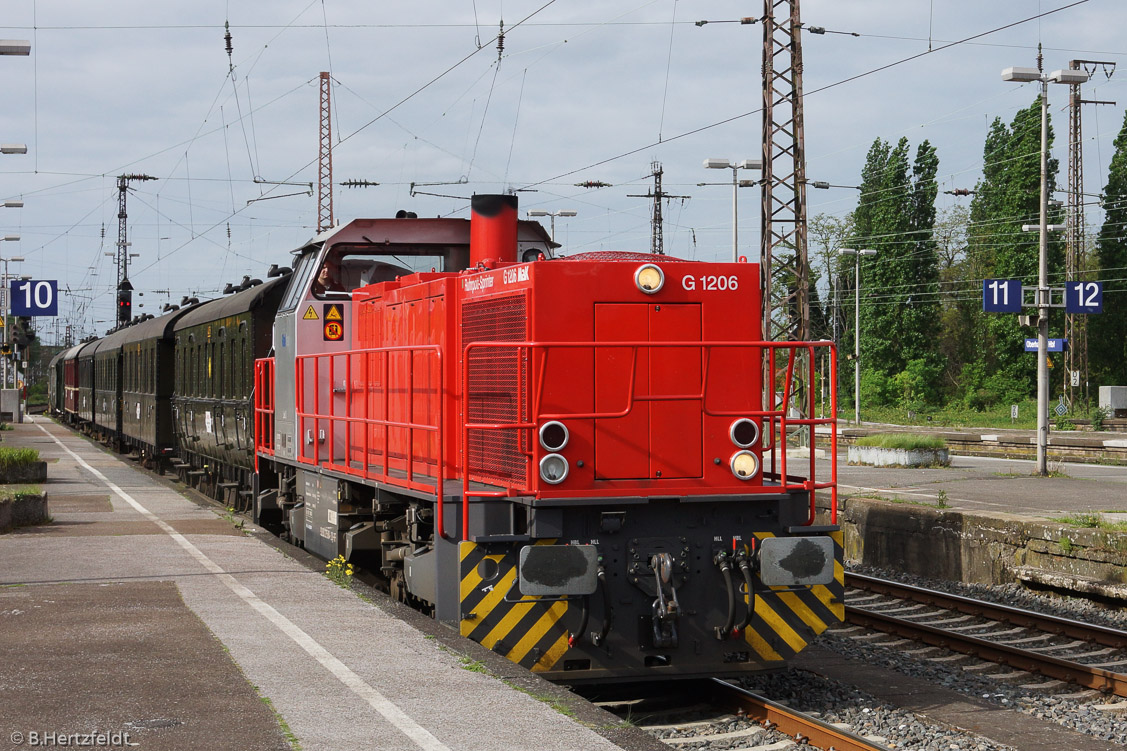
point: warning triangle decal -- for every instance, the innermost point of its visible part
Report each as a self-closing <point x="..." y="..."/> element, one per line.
<point x="334" y="313"/>
<point x="310" y="315"/>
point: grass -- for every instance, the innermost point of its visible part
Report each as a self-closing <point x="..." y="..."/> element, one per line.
<point x="956" y="416"/>
<point x="295" y="744"/>
<point x="903" y="441"/>
<point x="1065" y="545"/>
<point x="14" y="491"/>
<point x="11" y="458"/>
<point x="1090" y="521"/>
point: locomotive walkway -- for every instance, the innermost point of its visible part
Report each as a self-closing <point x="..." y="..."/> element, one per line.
<point x="145" y="618"/>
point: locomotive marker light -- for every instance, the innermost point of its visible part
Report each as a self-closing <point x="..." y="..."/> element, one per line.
<point x="649" y="279"/>
<point x="744" y="464"/>
<point x="553" y="469"/>
<point x="553" y="435"/>
<point x="744" y="433"/>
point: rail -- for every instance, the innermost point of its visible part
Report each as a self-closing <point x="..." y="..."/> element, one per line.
<point x="351" y="408"/>
<point x="1031" y="660"/>
<point x="805" y="729"/>
<point x="776" y="421"/>
<point x="263" y="408"/>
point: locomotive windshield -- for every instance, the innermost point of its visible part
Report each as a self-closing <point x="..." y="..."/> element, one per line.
<point x="346" y="267"/>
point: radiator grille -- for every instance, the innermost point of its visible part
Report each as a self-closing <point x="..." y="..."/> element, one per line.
<point x="498" y="391"/>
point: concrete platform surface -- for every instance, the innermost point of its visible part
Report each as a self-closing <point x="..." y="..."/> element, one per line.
<point x="140" y="611"/>
<point x="992" y="485"/>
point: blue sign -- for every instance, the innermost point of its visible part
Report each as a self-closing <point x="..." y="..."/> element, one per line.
<point x="1001" y="295"/>
<point x="1084" y="297"/>
<point x="1055" y="345"/>
<point x="32" y="297"/>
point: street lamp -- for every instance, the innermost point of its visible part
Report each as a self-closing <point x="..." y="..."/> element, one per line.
<point x="13" y="204"/>
<point x="13" y="148"/>
<point x="856" y="326"/>
<point x="736" y="184"/>
<point x="553" y="214"/>
<point x="1027" y="75"/>
<point x="7" y="307"/>
<point x="15" y="47"/>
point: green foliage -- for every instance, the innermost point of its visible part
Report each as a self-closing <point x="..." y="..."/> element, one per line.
<point x="339" y="571"/>
<point x="1107" y="346"/>
<point x="904" y="441"/>
<point x="899" y="307"/>
<point x="1008" y="196"/>
<point x="11" y="458"/>
<point x="1065" y="545"/>
<point x="1099" y="414"/>
<point x="1086" y="521"/>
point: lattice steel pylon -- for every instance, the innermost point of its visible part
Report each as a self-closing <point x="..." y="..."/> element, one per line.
<point x="657" y="234"/>
<point x="786" y="298"/>
<point x="1075" y="258"/>
<point x="325" y="159"/>
<point x="784" y="266"/>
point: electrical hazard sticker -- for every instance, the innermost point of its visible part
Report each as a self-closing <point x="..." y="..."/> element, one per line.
<point x="310" y="315"/>
<point x="334" y="331"/>
<point x="334" y="312"/>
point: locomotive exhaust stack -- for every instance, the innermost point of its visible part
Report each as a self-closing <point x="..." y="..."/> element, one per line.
<point x="493" y="230"/>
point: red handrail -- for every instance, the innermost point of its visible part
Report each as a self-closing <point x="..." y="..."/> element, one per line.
<point x="263" y="408"/>
<point x="370" y="359"/>
<point x="773" y="417"/>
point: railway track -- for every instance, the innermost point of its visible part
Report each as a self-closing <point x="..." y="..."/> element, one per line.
<point x="1071" y="651"/>
<point x="715" y="711"/>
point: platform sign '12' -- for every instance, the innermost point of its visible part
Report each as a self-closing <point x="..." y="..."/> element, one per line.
<point x="1084" y="297"/>
<point x="35" y="297"/>
<point x="1001" y="295"/>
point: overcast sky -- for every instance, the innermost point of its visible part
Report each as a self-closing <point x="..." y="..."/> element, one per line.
<point x="583" y="91"/>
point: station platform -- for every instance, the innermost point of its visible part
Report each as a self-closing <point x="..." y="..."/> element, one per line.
<point x="139" y="617"/>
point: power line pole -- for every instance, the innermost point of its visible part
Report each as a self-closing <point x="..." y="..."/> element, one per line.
<point x="325" y="160"/>
<point x="124" y="288"/>
<point x="1075" y="259"/>
<point x="657" y="240"/>
<point x="785" y="266"/>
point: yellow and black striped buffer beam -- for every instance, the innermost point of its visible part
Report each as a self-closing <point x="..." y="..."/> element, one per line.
<point x="527" y="630"/>
<point x="786" y="619"/>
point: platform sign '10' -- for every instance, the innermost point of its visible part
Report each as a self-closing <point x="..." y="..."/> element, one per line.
<point x="1001" y="295"/>
<point x="31" y="297"/>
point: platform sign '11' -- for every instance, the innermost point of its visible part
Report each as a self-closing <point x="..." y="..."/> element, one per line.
<point x="1001" y="295"/>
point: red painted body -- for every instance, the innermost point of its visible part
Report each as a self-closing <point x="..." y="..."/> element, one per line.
<point x="450" y="376"/>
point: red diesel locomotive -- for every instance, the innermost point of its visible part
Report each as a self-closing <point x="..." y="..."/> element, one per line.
<point x="572" y="460"/>
<point x="569" y="459"/>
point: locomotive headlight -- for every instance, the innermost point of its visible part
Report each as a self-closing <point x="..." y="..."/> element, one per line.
<point x="744" y="433"/>
<point x="744" y="464"/>
<point x="553" y="436"/>
<point x="553" y="469"/>
<point x="649" y="279"/>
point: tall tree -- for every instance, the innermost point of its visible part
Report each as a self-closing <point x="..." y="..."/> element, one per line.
<point x="1107" y="342"/>
<point x="1008" y="196"/>
<point x="896" y="217"/>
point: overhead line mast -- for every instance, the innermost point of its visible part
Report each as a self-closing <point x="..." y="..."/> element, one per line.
<point x="124" y="287"/>
<point x="1076" y="251"/>
<point x="657" y="239"/>
<point x="325" y="160"/>
<point x="785" y="267"/>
